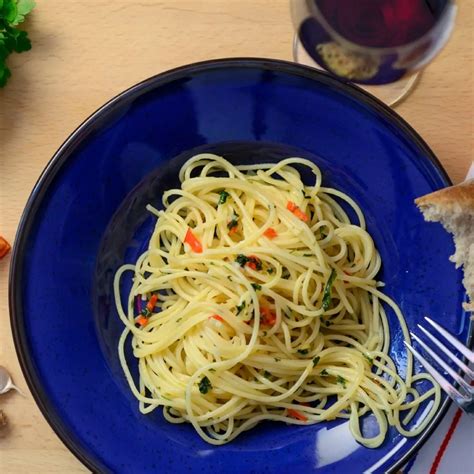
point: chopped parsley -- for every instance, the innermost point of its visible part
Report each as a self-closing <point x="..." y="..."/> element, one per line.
<point x="324" y="373"/>
<point x="212" y="370"/>
<point x="179" y="319"/>
<point x="223" y="195"/>
<point x="276" y="359"/>
<point x="307" y="255"/>
<point x="270" y="270"/>
<point x="316" y="360"/>
<point x="341" y="380"/>
<point x="205" y="385"/>
<point x="370" y="360"/>
<point x="327" y="290"/>
<point x="240" y="307"/>
<point x="256" y="286"/>
<point x="302" y="351"/>
<point x="241" y="259"/>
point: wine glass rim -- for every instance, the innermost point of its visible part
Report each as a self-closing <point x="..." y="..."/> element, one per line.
<point x="450" y="8"/>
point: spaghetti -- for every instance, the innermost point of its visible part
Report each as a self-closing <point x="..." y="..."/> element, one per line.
<point x="257" y="300"/>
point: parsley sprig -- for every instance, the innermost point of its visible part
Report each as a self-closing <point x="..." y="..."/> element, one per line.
<point x="12" y="39"/>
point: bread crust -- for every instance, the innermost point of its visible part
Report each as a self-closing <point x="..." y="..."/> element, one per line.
<point x="461" y="194"/>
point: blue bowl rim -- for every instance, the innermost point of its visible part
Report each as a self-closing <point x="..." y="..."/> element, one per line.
<point x="68" y="147"/>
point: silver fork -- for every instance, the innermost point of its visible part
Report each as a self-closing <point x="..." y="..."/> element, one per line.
<point x="463" y="396"/>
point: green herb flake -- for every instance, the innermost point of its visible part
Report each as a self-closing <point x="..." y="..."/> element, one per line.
<point x="307" y="255"/>
<point x="302" y="351"/>
<point x="205" y="385"/>
<point x="270" y="270"/>
<point x="256" y="286"/>
<point x="327" y="290"/>
<point x="212" y="370"/>
<point x="370" y="360"/>
<point x="240" y="307"/>
<point x="276" y="359"/>
<point x="179" y="320"/>
<point x="316" y="361"/>
<point x="241" y="259"/>
<point x="341" y="380"/>
<point x="324" y="373"/>
<point x="267" y="374"/>
<point x="223" y="195"/>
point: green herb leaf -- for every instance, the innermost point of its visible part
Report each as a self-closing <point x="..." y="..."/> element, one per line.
<point x="327" y="290"/>
<point x="270" y="270"/>
<point x="341" y="380"/>
<point x="23" y="7"/>
<point x="240" y="307"/>
<point x="256" y="286"/>
<point x="370" y="360"/>
<point x="302" y="351"/>
<point x="324" y="373"/>
<point x="316" y="360"/>
<point x="223" y="195"/>
<point x="241" y="259"/>
<point x="12" y="12"/>
<point x="205" y="385"/>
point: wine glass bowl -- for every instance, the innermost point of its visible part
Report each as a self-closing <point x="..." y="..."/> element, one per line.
<point x="371" y="42"/>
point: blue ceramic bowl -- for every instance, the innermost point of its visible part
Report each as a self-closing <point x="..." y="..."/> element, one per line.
<point x="86" y="216"/>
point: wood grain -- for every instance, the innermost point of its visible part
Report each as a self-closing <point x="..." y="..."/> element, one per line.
<point x="85" y="52"/>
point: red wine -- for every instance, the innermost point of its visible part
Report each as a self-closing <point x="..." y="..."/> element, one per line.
<point x="381" y="23"/>
<point x="403" y="35"/>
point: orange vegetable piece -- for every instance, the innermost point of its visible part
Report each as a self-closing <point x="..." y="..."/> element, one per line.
<point x="297" y="415"/>
<point x="270" y="233"/>
<point x="142" y="321"/>
<point x="193" y="241"/>
<point x="4" y="247"/>
<point x="292" y="207"/>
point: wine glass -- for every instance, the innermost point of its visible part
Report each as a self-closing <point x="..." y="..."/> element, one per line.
<point x="380" y="44"/>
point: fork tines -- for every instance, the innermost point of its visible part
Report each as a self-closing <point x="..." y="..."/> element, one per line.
<point x="463" y="397"/>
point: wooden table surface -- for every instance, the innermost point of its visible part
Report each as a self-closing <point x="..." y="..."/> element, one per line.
<point x="85" y="52"/>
